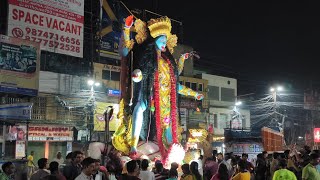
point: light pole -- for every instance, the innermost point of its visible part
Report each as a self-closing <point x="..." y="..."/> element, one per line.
<point x="275" y="91"/>
<point x="236" y="114"/>
<point x="92" y="100"/>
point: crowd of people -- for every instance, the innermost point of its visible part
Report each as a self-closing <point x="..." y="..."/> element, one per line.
<point x="288" y="165"/>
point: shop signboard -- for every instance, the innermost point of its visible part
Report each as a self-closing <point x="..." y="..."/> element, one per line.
<point x="252" y="149"/>
<point x="56" y="25"/>
<point x="50" y="133"/>
<point x="19" y="66"/>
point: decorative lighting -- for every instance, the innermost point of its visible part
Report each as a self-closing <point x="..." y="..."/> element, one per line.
<point x="272" y="89"/>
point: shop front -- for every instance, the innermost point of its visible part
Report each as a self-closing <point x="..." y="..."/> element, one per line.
<point x="46" y="141"/>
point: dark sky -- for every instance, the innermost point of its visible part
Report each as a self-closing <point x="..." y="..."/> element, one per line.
<point x="260" y="44"/>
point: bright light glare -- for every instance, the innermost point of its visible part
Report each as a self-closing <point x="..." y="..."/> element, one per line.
<point x="238" y="103"/>
<point x="272" y="89"/>
<point x="279" y="88"/>
<point x="97" y="84"/>
<point x="90" y="82"/>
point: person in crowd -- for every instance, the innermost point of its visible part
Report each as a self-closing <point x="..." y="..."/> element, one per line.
<point x="310" y="172"/>
<point x="195" y="171"/>
<point x="88" y="166"/>
<point x="243" y="174"/>
<point x="54" y="172"/>
<point x="283" y="173"/>
<point x="8" y="169"/>
<point x="30" y="164"/>
<point x="260" y="168"/>
<point x="274" y="163"/>
<point x="145" y="174"/>
<point x="186" y="172"/>
<point x="249" y="165"/>
<point x="73" y="170"/>
<point x="42" y="172"/>
<point x="210" y="167"/>
<point x="222" y="173"/>
<point x="133" y="171"/>
<point x="59" y="158"/>
<point x="173" y="174"/>
<point x="100" y="172"/>
<point x="68" y="159"/>
<point x="220" y="157"/>
<point x="160" y="173"/>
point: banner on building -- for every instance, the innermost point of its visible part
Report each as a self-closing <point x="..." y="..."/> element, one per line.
<point x="16" y="133"/>
<point x="56" y="25"/>
<point x="20" y="149"/>
<point x="19" y="66"/>
<point x="19" y="111"/>
<point x="113" y="15"/>
<point x="50" y="133"/>
<point x="99" y="119"/>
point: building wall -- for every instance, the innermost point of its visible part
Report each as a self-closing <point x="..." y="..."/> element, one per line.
<point x="221" y="90"/>
<point x="221" y="118"/>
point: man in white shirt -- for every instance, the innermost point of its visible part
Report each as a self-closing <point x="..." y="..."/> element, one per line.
<point x="88" y="165"/>
<point x="145" y="174"/>
<point x="59" y="158"/>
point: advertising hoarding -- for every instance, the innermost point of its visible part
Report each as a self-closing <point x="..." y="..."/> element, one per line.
<point x="19" y="66"/>
<point x="113" y="16"/>
<point x="99" y="119"/>
<point x="56" y="25"/>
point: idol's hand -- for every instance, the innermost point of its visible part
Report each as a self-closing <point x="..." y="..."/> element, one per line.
<point x="129" y="21"/>
<point x="199" y="96"/>
<point x="186" y="55"/>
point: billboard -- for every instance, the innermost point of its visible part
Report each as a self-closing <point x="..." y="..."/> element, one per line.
<point x="56" y="25"/>
<point x="113" y="16"/>
<point x="99" y="119"/>
<point x="19" y="66"/>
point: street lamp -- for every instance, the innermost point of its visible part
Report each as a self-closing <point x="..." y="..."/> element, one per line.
<point x="275" y="91"/>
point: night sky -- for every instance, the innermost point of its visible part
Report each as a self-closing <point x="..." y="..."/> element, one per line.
<point x="259" y="44"/>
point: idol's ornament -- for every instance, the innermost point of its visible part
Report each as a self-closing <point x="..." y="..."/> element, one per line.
<point x="150" y="124"/>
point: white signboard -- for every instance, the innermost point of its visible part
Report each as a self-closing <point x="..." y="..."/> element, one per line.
<point x="56" y="25"/>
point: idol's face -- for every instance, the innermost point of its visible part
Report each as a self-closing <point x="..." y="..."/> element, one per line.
<point x="161" y="42"/>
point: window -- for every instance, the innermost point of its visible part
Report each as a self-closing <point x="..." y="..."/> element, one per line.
<point x="213" y="93"/>
<point x="223" y="121"/>
<point x="188" y="84"/>
<point x="200" y="87"/>
<point x="227" y="94"/>
<point x="39" y="108"/>
<point x="110" y="75"/>
<point x="194" y="86"/>
<point x="244" y="125"/>
<point x="215" y="120"/>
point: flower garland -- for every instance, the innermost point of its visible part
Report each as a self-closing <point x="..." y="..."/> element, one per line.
<point x="173" y="94"/>
<point x="157" y="113"/>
